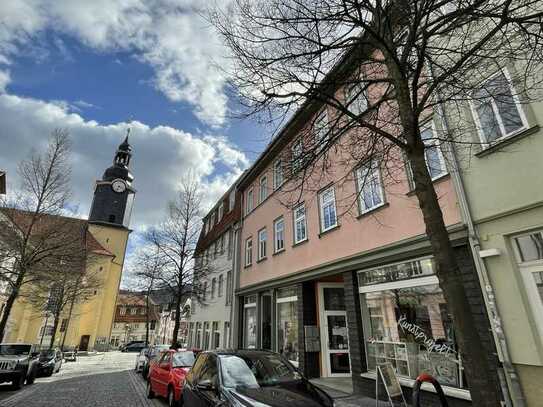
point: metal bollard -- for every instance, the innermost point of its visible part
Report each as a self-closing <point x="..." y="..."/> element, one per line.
<point x="424" y="377"/>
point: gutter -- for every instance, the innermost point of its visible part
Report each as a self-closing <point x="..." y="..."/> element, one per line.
<point x="509" y="380"/>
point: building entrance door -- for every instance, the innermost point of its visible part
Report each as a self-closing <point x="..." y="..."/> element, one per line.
<point x="334" y="332"/>
<point x="84" y="343"/>
<point x="266" y="321"/>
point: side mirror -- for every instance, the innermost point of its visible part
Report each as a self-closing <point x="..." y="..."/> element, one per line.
<point x="206" y="385"/>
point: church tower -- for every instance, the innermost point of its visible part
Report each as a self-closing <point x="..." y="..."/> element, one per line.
<point x="114" y="194"/>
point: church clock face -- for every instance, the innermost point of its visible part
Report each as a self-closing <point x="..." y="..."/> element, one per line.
<point x="118" y="186"/>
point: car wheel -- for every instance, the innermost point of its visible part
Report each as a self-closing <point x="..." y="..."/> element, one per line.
<point x="50" y="372"/>
<point x="171" y="398"/>
<point x="18" y="382"/>
<point x="30" y="379"/>
<point x="150" y="392"/>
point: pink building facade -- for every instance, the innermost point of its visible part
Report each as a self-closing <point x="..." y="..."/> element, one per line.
<point x="339" y="278"/>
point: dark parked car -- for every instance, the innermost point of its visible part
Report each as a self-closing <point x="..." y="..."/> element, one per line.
<point x="246" y="378"/>
<point x="49" y="362"/>
<point x="133" y="347"/>
<point x="18" y="363"/>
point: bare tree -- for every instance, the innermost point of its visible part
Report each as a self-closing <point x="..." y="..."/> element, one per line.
<point x="33" y="235"/>
<point x="380" y="69"/>
<point x="72" y="281"/>
<point x="174" y="242"/>
<point x="144" y="279"/>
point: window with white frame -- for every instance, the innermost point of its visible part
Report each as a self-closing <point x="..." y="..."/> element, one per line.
<point x="356" y="97"/>
<point x="496" y="109"/>
<point x="321" y="127"/>
<point x="279" y="234"/>
<point x="221" y="285"/>
<point x="231" y="200"/>
<point x="122" y="311"/>
<point x="370" y="188"/>
<point x="249" y="251"/>
<point x="228" y="287"/>
<point x="262" y="239"/>
<point x="230" y="244"/>
<point x="263" y="189"/>
<point x="529" y="250"/>
<point x="221" y="211"/>
<point x="297" y="152"/>
<point x="435" y="162"/>
<point x="300" y="224"/>
<point x="213" y="287"/>
<point x="328" y="214"/>
<point x="278" y="178"/>
<point x="250" y="201"/>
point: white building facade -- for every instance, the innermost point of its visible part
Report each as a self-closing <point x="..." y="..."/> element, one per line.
<point x="211" y="306"/>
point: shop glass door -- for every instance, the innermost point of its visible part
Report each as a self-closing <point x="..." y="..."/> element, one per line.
<point x="334" y="331"/>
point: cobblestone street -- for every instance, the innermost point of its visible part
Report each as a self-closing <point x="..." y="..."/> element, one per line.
<point x="100" y="380"/>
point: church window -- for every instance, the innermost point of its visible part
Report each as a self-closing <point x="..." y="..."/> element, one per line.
<point x="133" y="311"/>
<point x="213" y="287"/>
<point x="122" y="311"/>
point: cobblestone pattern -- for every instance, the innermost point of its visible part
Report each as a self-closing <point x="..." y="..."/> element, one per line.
<point x="118" y="389"/>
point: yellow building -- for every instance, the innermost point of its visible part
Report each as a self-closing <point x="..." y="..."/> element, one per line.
<point x="89" y="324"/>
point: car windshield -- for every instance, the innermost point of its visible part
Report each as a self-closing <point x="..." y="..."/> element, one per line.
<point x="15" y="349"/>
<point x="255" y="370"/>
<point x="47" y="354"/>
<point x="157" y="349"/>
<point x="183" y="359"/>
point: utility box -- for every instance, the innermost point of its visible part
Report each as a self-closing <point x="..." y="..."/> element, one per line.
<point x="312" y="338"/>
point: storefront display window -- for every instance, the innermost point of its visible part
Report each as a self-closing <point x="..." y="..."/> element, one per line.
<point x="407" y="323"/>
<point x="287" y="324"/>
<point x="530" y="260"/>
<point x="249" y="317"/>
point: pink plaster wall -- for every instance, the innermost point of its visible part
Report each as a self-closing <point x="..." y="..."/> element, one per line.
<point x="399" y="220"/>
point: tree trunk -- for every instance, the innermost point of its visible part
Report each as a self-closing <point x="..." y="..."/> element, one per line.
<point x="9" y="303"/>
<point x="55" y="327"/>
<point x="67" y="323"/>
<point x="484" y="390"/>
<point x="177" y="318"/>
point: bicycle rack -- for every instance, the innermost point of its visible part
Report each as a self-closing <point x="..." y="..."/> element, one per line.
<point x="424" y="377"/>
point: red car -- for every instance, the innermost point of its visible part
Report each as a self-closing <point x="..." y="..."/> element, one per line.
<point x="167" y="376"/>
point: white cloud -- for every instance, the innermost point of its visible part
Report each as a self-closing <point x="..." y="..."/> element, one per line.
<point x="169" y="35"/>
<point x="162" y="154"/>
<point x="5" y="79"/>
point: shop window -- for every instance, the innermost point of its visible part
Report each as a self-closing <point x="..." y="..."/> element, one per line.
<point x="407" y="323"/>
<point x="529" y="249"/>
<point x="249" y="321"/>
<point x="287" y="324"/>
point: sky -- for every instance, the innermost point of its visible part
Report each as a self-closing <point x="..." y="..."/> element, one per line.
<point x="93" y="67"/>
